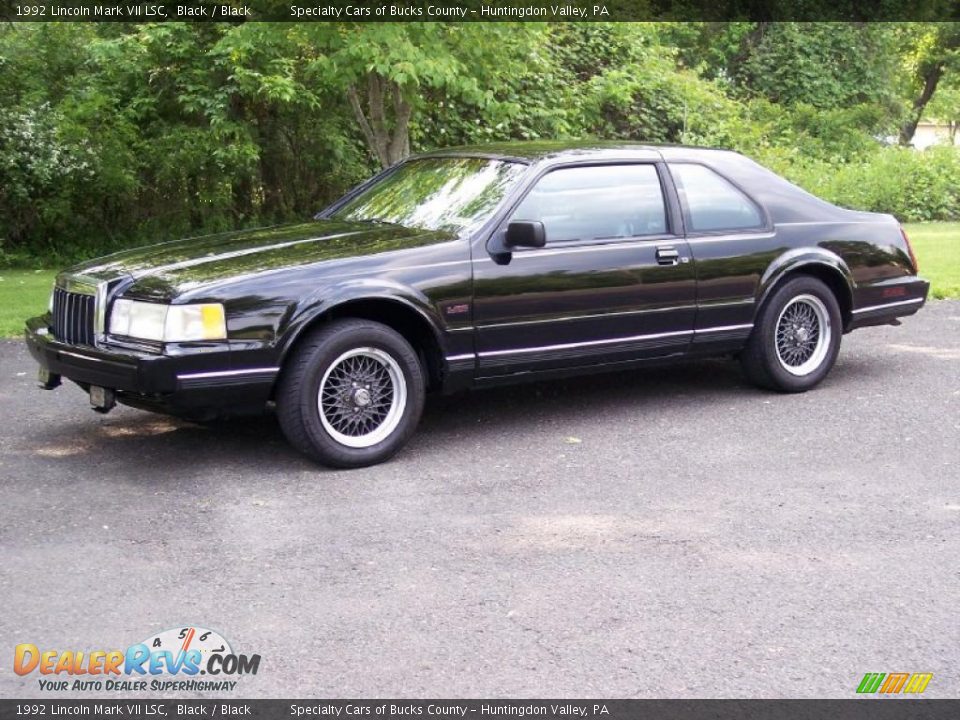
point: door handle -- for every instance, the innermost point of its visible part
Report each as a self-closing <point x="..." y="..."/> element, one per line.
<point x="667" y="256"/>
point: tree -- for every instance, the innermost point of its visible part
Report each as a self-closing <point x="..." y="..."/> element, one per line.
<point x="825" y="65"/>
<point x="934" y="53"/>
<point x="114" y="134"/>
<point x="385" y="70"/>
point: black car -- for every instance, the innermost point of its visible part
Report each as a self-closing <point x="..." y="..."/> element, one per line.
<point x="472" y="267"/>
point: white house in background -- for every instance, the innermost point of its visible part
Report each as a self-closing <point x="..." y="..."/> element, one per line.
<point x="933" y="132"/>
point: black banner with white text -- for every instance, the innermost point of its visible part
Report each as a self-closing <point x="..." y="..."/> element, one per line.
<point x="474" y="10"/>
<point x="854" y="709"/>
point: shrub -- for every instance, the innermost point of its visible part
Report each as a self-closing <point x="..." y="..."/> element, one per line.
<point x="912" y="185"/>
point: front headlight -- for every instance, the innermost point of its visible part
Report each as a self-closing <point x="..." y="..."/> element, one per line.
<point x="168" y="323"/>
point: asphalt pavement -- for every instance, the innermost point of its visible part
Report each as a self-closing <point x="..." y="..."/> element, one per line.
<point x="666" y="533"/>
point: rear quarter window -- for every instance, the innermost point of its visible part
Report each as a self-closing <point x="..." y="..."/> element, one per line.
<point x="712" y="202"/>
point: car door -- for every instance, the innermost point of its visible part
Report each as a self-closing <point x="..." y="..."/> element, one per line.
<point x="733" y="243"/>
<point x="614" y="282"/>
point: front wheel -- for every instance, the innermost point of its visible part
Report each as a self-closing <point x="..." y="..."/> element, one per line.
<point x="352" y="394"/>
<point x="796" y="339"/>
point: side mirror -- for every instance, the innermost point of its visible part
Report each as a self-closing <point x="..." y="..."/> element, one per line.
<point x="526" y="233"/>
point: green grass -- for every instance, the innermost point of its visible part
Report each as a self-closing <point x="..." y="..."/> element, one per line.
<point x="937" y="246"/>
<point x="23" y="293"/>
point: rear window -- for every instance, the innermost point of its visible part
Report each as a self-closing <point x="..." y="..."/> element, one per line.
<point x="712" y="202"/>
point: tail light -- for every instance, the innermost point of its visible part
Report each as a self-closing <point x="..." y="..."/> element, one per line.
<point x="913" y="257"/>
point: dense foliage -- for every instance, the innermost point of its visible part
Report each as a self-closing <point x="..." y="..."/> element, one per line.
<point x="117" y="134"/>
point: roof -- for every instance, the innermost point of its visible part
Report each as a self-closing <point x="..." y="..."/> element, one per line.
<point x="537" y="150"/>
<point x="784" y="201"/>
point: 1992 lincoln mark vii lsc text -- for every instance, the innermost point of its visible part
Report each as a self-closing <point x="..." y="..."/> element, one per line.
<point x="476" y="266"/>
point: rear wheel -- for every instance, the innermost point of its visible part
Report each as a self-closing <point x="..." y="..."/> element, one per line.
<point x="796" y="339"/>
<point x="352" y="394"/>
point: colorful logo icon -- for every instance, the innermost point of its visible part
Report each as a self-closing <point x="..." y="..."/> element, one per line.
<point x="894" y="683"/>
<point x="187" y="652"/>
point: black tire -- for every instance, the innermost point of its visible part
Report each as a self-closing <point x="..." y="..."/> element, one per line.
<point x="348" y="352"/>
<point x="785" y="367"/>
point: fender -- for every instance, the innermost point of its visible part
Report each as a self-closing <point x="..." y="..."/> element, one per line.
<point x="333" y="296"/>
<point x="797" y="259"/>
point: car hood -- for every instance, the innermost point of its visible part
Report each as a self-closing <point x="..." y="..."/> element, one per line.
<point x="164" y="270"/>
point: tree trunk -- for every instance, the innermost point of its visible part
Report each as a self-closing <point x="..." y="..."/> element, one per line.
<point x="388" y="139"/>
<point x="931" y="78"/>
<point x="271" y="166"/>
<point x="400" y="144"/>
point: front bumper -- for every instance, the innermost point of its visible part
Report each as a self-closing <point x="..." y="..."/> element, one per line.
<point x="199" y="381"/>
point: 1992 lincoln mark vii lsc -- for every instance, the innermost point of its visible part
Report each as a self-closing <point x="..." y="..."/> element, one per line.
<point x="476" y="266"/>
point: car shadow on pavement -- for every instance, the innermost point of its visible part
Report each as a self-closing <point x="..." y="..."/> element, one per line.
<point x="157" y="444"/>
<point x="515" y="404"/>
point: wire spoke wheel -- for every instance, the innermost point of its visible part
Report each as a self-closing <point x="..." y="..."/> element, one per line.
<point x="362" y="397"/>
<point x="803" y="335"/>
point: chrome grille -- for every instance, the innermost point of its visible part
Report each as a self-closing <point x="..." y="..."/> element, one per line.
<point x="73" y="317"/>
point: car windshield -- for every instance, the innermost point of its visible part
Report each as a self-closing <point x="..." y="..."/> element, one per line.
<point x="440" y="193"/>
